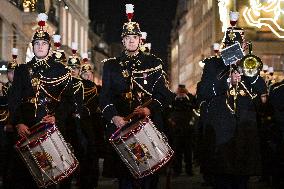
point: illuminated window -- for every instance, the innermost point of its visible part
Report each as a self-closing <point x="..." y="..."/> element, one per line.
<point x="29" y="5"/>
<point x="14" y="39"/>
<point x="64" y="27"/>
<point x="86" y="41"/>
<point x="76" y="34"/>
<point x="209" y="2"/>
<point x="81" y="39"/>
<point x="69" y="29"/>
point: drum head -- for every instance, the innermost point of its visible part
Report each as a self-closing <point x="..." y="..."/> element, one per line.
<point x="131" y="127"/>
<point x="37" y="132"/>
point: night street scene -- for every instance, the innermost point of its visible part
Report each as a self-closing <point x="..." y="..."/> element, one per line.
<point x="141" y="94"/>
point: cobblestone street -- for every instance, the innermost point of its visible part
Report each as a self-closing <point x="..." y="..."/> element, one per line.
<point x="181" y="182"/>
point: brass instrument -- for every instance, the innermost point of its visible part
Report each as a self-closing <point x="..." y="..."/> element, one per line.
<point x="251" y="64"/>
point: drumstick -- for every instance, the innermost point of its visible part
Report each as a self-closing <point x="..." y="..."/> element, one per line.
<point x="40" y="122"/>
<point x="130" y="116"/>
<point x="35" y="125"/>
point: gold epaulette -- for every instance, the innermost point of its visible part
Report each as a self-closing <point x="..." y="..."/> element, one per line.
<point x="107" y="59"/>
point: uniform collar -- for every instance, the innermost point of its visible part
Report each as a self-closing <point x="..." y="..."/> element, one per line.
<point x="126" y="56"/>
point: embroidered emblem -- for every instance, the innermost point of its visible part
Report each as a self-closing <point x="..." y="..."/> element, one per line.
<point x="35" y="82"/>
<point x="73" y="60"/>
<point x="140" y="152"/>
<point x="58" y="55"/>
<point x="125" y="73"/>
<point x="44" y="159"/>
<point x="232" y="35"/>
<point x="242" y="92"/>
<point x="130" y="27"/>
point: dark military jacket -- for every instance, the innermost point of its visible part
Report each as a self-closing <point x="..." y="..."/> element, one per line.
<point x="70" y="110"/>
<point x="78" y="91"/>
<point x="276" y="99"/>
<point x="4" y="103"/>
<point x="129" y="82"/>
<point x="37" y="90"/>
<point x="230" y="125"/>
<point x="91" y="98"/>
<point x="91" y="117"/>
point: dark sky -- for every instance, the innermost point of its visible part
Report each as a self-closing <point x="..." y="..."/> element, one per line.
<point x="154" y="16"/>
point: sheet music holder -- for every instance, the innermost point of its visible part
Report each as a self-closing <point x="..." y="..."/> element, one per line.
<point x="232" y="53"/>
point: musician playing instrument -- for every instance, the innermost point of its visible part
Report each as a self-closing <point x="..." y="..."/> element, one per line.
<point x="37" y="90"/>
<point x="231" y="151"/>
<point x="91" y="126"/>
<point x="129" y="81"/>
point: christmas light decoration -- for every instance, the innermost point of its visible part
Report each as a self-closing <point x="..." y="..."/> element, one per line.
<point x="272" y="9"/>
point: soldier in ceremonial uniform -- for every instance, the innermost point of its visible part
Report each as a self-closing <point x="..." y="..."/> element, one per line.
<point x="129" y="81"/>
<point x="90" y="124"/>
<point x="231" y="142"/>
<point x="72" y="124"/>
<point x="58" y="54"/>
<point x="69" y="123"/>
<point x="276" y="101"/>
<point x="36" y="92"/>
<point x="9" y="136"/>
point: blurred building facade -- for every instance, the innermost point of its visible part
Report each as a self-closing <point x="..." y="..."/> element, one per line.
<point x="199" y="24"/>
<point x="196" y="28"/>
<point x="70" y="19"/>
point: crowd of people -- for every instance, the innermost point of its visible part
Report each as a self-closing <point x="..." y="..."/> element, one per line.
<point x="232" y="128"/>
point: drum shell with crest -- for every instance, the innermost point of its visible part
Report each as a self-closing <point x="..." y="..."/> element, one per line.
<point x="47" y="155"/>
<point x="142" y="148"/>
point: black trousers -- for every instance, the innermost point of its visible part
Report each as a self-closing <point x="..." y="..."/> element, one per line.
<point x="231" y="182"/>
<point x="183" y="151"/>
<point x="89" y="169"/>
<point x="148" y="182"/>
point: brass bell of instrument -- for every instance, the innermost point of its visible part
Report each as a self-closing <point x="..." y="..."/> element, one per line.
<point x="251" y="64"/>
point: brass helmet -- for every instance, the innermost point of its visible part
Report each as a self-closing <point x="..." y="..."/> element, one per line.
<point x="130" y="27"/>
<point x="251" y="64"/>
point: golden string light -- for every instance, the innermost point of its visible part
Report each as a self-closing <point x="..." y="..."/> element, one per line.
<point x="266" y="14"/>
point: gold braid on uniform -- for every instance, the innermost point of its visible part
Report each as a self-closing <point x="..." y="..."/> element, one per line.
<point x="43" y="82"/>
<point x="90" y="92"/>
<point x="5" y="89"/>
<point x="150" y="71"/>
<point x="52" y="82"/>
<point x="4" y="114"/>
<point x="236" y="92"/>
<point x="42" y="62"/>
<point x="77" y="86"/>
